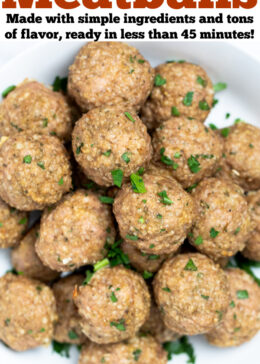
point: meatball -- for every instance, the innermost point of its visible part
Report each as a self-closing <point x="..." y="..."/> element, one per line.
<point x="25" y="259"/>
<point x="142" y="261"/>
<point x="242" y="151"/>
<point x="67" y="329"/>
<point x="192" y="293"/>
<point x="13" y="223"/>
<point x="113" y="305"/>
<point x="27" y="312"/>
<point x="74" y="233"/>
<point x="34" y="171"/>
<point x="242" y="320"/>
<point x="157" y="221"/>
<point x="187" y="149"/>
<point x="252" y="249"/>
<point x="223" y="223"/>
<point x="110" y="139"/>
<point x="155" y="326"/>
<point x="181" y="89"/>
<point x="144" y="350"/>
<point x="110" y="73"/>
<point x="32" y="106"/>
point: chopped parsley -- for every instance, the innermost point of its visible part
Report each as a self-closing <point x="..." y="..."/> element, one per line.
<point x="175" y="111"/>
<point x="164" y="198"/>
<point x="27" y="159"/>
<point x="129" y="116"/>
<point x="147" y="275"/>
<point x="45" y="123"/>
<point x="120" y="325"/>
<point x="7" y="322"/>
<point x="187" y="101"/>
<point x="8" y="90"/>
<point x="141" y="220"/>
<point x="23" y="221"/>
<point x="60" y="183"/>
<point x="101" y="264"/>
<point x="60" y="84"/>
<point x="89" y="275"/>
<point x="213" y="127"/>
<point x="166" y="289"/>
<point x="141" y="61"/>
<point x="131" y="237"/>
<point x="159" y="216"/>
<point x="137" y="183"/>
<point x="213" y="233"/>
<point x="225" y="132"/>
<point x="61" y="348"/>
<point x="159" y="80"/>
<point x="193" y="164"/>
<point x="140" y="171"/>
<point x="41" y="165"/>
<point x="205" y="297"/>
<point x="201" y="81"/>
<point x="247" y="265"/>
<point x="242" y="294"/>
<point x="203" y="105"/>
<point x="78" y="150"/>
<point x="251" y="145"/>
<point x="106" y="199"/>
<point x="214" y="103"/>
<point x="219" y="86"/>
<point x="125" y="157"/>
<point x="181" y="346"/>
<point x="232" y="304"/>
<point x="107" y="153"/>
<point x="72" y="335"/>
<point x="117" y="175"/>
<point x="190" y="266"/>
<point x="227" y="115"/>
<point x="198" y="240"/>
<point x="168" y="161"/>
<point x="116" y="255"/>
<point x="136" y="354"/>
<point x="237" y="230"/>
<point x="190" y="188"/>
<point x="113" y="297"/>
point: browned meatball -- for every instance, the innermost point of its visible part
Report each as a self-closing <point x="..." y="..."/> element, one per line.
<point x="155" y="326"/>
<point x="12" y="225"/>
<point x="144" y="350"/>
<point x="25" y="259"/>
<point x="223" y="223"/>
<point x="181" y="89"/>
<point x="242" y="152"/>
<point x="74" y="233"/>
<point x="32" y="106"/>
<point x="27" y="312"/>
<point x="188" y="149"/>
<point x="252" y="249"/>
<point x="157" y="221"/>
<point x="192" y="293"/>
<point x="109" y="139"/>
<point x="242" y="320"/>
<point x="143" y="261"/>
<point x="110" y="73"/>
<point x="113" y="305"/>
<point x="34" y="171"/>
<point x="67" y="329"/>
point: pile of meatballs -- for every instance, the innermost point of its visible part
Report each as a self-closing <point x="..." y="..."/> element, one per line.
<point x="142" y="207"/>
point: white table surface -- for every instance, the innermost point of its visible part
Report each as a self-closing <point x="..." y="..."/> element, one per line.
<point x="11" y="49"/>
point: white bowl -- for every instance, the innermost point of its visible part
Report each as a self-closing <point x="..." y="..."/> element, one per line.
<point x="224" y="63"/>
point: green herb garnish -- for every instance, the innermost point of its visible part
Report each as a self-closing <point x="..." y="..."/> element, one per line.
<point x="187" y="101"/>
<point x="8" y="90"/>
<point x="159" y="80"/>
<point x="190" y="266"/>
<point x="117" y="176"/>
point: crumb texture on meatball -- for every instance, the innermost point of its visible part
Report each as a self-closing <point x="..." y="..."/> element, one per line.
<point x="144" y="350"/>
<point x="67" y="329"/>
<point x="110" y="138"/>
<point x="158" y="221"/>
<point x="27" y="312"/>
<point x="26" y="261"/>
<point x="34" y="171"/>
<point x="32" y="106"/>
<point x="188" y="149"/>
<point x="192" y="293"/>
<point x="184" y="89"/>
<point x="252" y="249"/>
<point x="242" y="320"/>
<point x="113" y="305"/>
<point x="223" y="223"/>
<point x="13" y="223"/>
<point x="110" y="73"/>
<point x="74" y="233"/>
